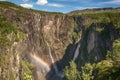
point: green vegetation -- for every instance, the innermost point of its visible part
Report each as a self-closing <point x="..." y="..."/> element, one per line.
<point x="102" y="17"/>
<point x="71" y="72"/>
<point x="104" y="24"/>
<point x="27" y="67"/>
<point x="87" y="72"/>
<point x="76" y="35"/>
<point x="99" y="29"/>
<point x="27" y="76"/>
<point x="108" y="69"/>
<point x="12" y="76"/>
<point x="8" y="31"/>
<point x="101" y="24"/>
<point x="104" y="68"/>
<point x="112" y="63"/>
<point x="9" y="34"/>
<point x="20" y="35"/>
<point x="3" y="60"/>
<point x="5" y="28"/>
<point x="9" y="5"/>
<point x="116" y="52"/>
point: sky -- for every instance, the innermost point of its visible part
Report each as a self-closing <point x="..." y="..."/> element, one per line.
<point x="65" y="6"/>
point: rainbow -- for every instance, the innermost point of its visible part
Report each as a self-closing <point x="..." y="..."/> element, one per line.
<point x="39" y="60"/>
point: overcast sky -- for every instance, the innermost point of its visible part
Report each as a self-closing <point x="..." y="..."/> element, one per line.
<point x="65" y="5"/>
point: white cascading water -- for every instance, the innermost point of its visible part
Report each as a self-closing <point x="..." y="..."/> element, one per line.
<point x="76" y="52"/>
<point x="53" y="62"/>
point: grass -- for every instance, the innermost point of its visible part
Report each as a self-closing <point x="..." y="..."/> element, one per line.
<point x="6" y="28"/>
<point x="9" y="5"/>
<point x="27" y="70"/>
<point x="102" y="17"/>
<point x="9" y="34"/>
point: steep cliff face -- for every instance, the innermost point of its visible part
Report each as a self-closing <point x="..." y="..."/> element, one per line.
<point x="45" y="33"/>
<point x="10" y="51"/>
<point x="99" y="30"/>
<point x="49" y="41"/>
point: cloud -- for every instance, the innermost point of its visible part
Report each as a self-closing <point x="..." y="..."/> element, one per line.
<point x="55" y="5"/>
<point x="42" y="2"/>
<point x="25" y="0"/>
<point x="112" y="2"/>
<point x="27" y="5"/>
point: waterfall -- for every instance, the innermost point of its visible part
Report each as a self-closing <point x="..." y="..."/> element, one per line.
<point x="53" y="62"/>
<point x="76" y="52"/>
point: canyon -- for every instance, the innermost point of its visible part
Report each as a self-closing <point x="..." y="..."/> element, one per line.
<point x="44" y="43"/>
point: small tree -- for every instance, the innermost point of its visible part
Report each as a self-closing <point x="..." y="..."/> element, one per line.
<point x="71" y="72"/>
<point x="116" y="52"/>
<point x="27" y="76"/>
<point x="109" y="69"/>
<point x="87" y="72"/>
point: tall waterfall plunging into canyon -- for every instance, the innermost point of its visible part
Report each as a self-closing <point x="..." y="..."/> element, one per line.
<point x="76" y="52"/>
<point x="60" y="74"/>
<point x="51" y="57"/>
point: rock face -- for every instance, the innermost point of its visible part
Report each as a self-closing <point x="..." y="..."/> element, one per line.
<point x="91" y="41"/>
<point x="40" y="29"/>
<point x="56" y="33"/>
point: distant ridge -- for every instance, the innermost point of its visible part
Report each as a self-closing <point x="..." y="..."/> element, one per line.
<point x="94" y="10"/>
<point x="10" y="5"/>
